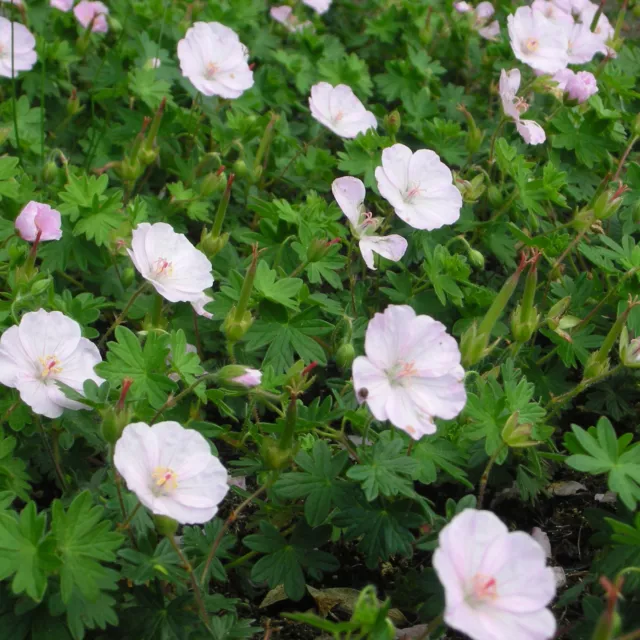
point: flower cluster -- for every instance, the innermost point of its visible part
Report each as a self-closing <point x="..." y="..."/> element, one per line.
<point x="482" y="14"/>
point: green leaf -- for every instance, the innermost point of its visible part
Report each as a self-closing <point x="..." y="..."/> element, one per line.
<point x="26" y="551"/>
<point x="433" y="454"/>
<point x="280" y="291"/>
<point x="385" y="469"/>
<point x="318" y="483"/>
<point x="598" y="451"/>
<point x="13" y="470"/>
<point x="286" y="560"/>
<point x="126" y="358"/>
<point x="83" y="540"/>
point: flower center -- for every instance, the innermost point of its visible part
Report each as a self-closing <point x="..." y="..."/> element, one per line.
<point x="521" y="105"/>
<point x="50" y="367"/>
<point x="531" y="44"/>
<point x="163" y="267"/>
<point x="166" y="480"/>
<point x="412" y="192"/>
<point x="482" y="588"/>
<point x="338" y="116"/>
<point x="401" y="372"/>
<point x="210" y="71"/>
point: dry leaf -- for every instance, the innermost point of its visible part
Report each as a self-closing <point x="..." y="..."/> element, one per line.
<point x="569" y="488"/>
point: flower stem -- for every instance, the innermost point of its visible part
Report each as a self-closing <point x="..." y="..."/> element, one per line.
<point x="624" y="157"/>
<point x="119" y="320"/>
<point x="15" y="94"/>
<point x="194" y="583"/>
<point x="494" y="137"/>
<point x="233" y="516"/>
<point x="431" y="627"/>
<point x="485" y="475"/>
<point x="47" y="446"/>
<point x="173" y="400"/>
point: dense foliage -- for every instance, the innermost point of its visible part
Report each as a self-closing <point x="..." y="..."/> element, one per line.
<point x="332" y="516"/>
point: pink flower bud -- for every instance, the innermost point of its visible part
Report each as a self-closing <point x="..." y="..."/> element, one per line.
<point x="62" y="5"/>
<point x="38" y="219"/>
<point x="94" y="13"/>
<point x="582" y="86"/>
<point x="250" y="378"/>
<point x="462" y="7"/>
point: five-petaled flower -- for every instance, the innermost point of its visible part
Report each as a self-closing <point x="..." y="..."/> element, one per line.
<point x="178" y="271"/>
<point x="24" y="55"/>
<point x="350" y="194"/>
<point x="215" y="61"/>
<point x="285" y="16"/>
<point x="411" y="373"/>
<point x="92" y="13"/>
<point x="338" y="109"/>
<point x="537" y="41"/>
<point x="38" y="221"/>
<point x="46" y="348"/>
<point x="496" y="583"/>
<point x="171" y="470"/>
<point x="419" y="186"/>
<point x="513" y="106"/>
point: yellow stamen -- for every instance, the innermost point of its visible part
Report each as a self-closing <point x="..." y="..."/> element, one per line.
<point x="165" y="478"/>
<point x="50" y="366"/>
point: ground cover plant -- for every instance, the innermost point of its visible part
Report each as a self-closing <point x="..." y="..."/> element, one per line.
<point x="319" y="319"/>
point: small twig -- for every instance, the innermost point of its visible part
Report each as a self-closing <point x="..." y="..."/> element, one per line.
<point x="233" y="516"/>
<point x="194" y="583"/>
<point x="120" y="319"/>
<point x="485" y="475"/>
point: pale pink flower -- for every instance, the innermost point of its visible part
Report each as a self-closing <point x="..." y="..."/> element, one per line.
<point x="562" y="77"/>
<point x="552" y="11"/>
<point x="462" y="7"/>
<point x="171" y="470"/>
<point x="350" y="195"/>
<point x="215" y="61"/>
<point x="177" y="270"/>
<point x="604" y="30"/>
<point x="95" y="13"/>
<point x="38" y="219"/>
<point x="321" y="6"/>
<point x="46" y="348"/>
<point x="537" y="41"/>
<point x="411" y="373"/>
<point x="513" y="106"/>
<point x="583" y="44"/>
<point x="571" y="6"/>
<point x="200" y="304"/>
<point x="531" y="132"/>
<point x="491" y="31"/>
<point x="338" y="109"/>
<point x="62" y="5"/>
<point x="285" y="16"/>
<point x="250" y="378"/>
<point x="24" y="54"/>
<point x="582" y="86"/>
<point x="419" y="187"/>
<point x="497" y="584"/>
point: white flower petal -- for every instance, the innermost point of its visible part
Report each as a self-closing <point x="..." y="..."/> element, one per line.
<point x="350" y="194"/>
<point x="392" y="247"/>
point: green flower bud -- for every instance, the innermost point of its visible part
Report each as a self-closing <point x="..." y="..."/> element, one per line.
<point x="212" y="183"/>
<point x="629" y="350"/>
<point x="473" y="346"/>
<point x="273" y="456"/>
<point x="211" y="245"/>
<point x="129" y="170"/>
<point x="345" y="355"/>
<point x="50" y="172"/>
<point x="40" y="286"/>
<point x="147" y="155"/>
<point x="128" y="276"/>
<point x="595" y="367"/>
<point x="495" y="196"/>
<point x="516" y="435"/>
<point x="237" y="376"/>
<point x="606" y="205"/>
<point x="476" y="258"/>
<point x="523" y="328"/>
<point x="392" y="122"/>
<point x="165" y="526"/>
<point x="235" y="328"/>
<point x="240" y="168"/>
<point x="556" y="312"/>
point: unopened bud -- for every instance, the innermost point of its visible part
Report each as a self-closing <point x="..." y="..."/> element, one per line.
<point x="345" y="355"/>
<point x="237" y="376"/>
<point x="607" y="203"/>
<point x="523" y="328"/>
<point x="147" y="156"/>
<point x="495" y="196"/>
<point x="318" y="249"/>
<point x="212" y="183"/>
<point x="629" y="350"/>
<point x="392" y="122"/>
<point x="516" y="435"/>
<point x="471" y="190"/>
<point x="595" y="367"/>
<point x="165" y="526"/>
<point x="50" y="172"/>
<point x="240" y="168"/>
<point x="476" y="258"/>
<point x="129" y="170"/>
<point x="73" y="104"/>
<point x="234" y="328"/>
<point x="556" y="312"/>
<point x="211" y="245"/>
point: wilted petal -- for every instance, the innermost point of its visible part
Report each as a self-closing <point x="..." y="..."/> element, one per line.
<point x="531" y="132"/>
<point x="392" y="247"/>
